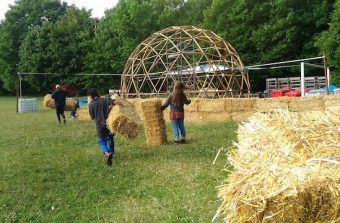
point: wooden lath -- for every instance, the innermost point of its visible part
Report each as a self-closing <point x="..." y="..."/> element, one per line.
<point x="198" y="57"/>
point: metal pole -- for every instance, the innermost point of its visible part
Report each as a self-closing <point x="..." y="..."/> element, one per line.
<point x="328" y="78"/>
<point x="285" y="62"/>
<point x="325" y="73"/>
<point x="302" y="79"/>
<point x="20" y="85"/>
<point x="17" y="93"/>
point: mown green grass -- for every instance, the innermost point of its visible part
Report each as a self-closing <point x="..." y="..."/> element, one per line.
<point x="53" y="173"/>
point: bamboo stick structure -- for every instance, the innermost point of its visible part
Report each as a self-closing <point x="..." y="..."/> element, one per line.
<point x="209" y="66"/>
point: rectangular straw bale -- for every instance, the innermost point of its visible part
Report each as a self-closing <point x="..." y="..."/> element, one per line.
<point x="155" y="129"/>
<point x="210" y="105"/>
<point x="201" y="117"/>
<point x="193" y="106"/>
<point x="137" y="103"/>
<point x="313" y="103"/>
<point x="241" y="116"/>
<point x="333" y="109"/>
<point x="239" y="104"/>
<point x="331" y="100"/>
<point x="69" y="103"/>
<point x="83" y="115"/>
<point x="123" y="119"/>
<point x="270" y="104"/>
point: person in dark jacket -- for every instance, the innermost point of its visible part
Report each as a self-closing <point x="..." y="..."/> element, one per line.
<point x="59" y="97"/>
<point x="99" y="110"/>
<point x="176" y="100"/>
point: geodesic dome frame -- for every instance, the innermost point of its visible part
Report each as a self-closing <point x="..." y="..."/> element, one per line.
<point x="200" y="59"/>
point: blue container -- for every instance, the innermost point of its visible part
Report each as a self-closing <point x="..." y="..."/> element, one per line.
<point x="82" y="101"/>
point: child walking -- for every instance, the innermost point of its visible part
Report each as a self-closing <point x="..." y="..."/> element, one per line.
<point x="176" y="100"/>
<point x="99" y="110"/>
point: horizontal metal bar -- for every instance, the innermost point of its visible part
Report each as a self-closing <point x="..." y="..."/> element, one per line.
<point x="285" y="62"/>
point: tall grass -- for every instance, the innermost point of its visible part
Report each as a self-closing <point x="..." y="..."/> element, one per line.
<point x="55" y="173"/>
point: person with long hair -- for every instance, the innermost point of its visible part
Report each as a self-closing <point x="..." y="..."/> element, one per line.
<point x="177" y="99"/>
<point x="99" y="110"/>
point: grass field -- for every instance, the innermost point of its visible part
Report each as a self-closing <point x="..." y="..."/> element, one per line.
<point x="53" y="173"/>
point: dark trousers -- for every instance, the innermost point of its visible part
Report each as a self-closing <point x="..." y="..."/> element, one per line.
<point x="60" y="112"/>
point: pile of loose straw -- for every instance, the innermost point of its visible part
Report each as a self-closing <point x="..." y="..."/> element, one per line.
<point x="154" y="122"/>
<point x="123" y="119"/>
<point x="286" y="169"/>
<point x="70" y="104"/>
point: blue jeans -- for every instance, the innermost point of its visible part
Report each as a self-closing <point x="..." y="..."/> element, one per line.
<point x="178" y="125"/>
<point x="106" y="144"/>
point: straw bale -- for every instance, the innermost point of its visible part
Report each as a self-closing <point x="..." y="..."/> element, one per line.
<point x="333" y="109"/>
<point x="270" y="104"/>
<point x="198" y="117"/>
<point x="331" y="100"/>
<point x="239" y="104"/>
<point x="123" y="119"/>
<point x="210" y="105"/>
<point x="48" y="101"/>
<point x="193" y="106"/>
<point x="83" y="115"/>
<point x="286" y="169"/>
<point x="240" y="116"/>
<point x="155" y="130"/>
<point x="69" y="103"/>
<point x="297" y="104"/>
<point x="137" y="103"/>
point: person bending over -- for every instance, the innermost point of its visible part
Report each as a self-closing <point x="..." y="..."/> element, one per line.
<point x="176" y="100"/>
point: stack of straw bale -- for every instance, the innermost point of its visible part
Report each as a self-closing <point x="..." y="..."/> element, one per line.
<point x="313" y="103"/>
<point x="83" y="115"/>
<point x="286" y="169"/>
<point x="193" y="106"/>
<point x="123" y="119"/>
<point x="332" y="103"/>
<point x="69" y="103"/>
<point x="137" y="103"/>
<point x="239" y="109"/>
<point x="270" y="104"/>
<point x="154" y="122"/>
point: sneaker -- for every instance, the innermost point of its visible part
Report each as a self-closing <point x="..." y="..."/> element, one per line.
<point x="176" y="141"/>
<point x="182" y="141"/>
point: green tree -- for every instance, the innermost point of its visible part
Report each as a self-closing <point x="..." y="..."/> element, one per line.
<point x="192" y="12"/>
<point x="123" y="28"/>
<point x="329" y="41"/>
<point x="270" y="30"/>
<point x="60" y="47"/>
<point x="23" y="16"/>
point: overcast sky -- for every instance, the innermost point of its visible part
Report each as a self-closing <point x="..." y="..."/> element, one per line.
<point x="98" y="6"/>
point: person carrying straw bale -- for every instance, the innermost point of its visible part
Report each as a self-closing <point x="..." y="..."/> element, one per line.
<point x="176" y="100"/>
<point x="99" y="110"/>
<point x="59" y="97"/>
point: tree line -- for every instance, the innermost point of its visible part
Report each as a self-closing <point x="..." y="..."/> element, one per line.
<point x="50" y="36"/>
